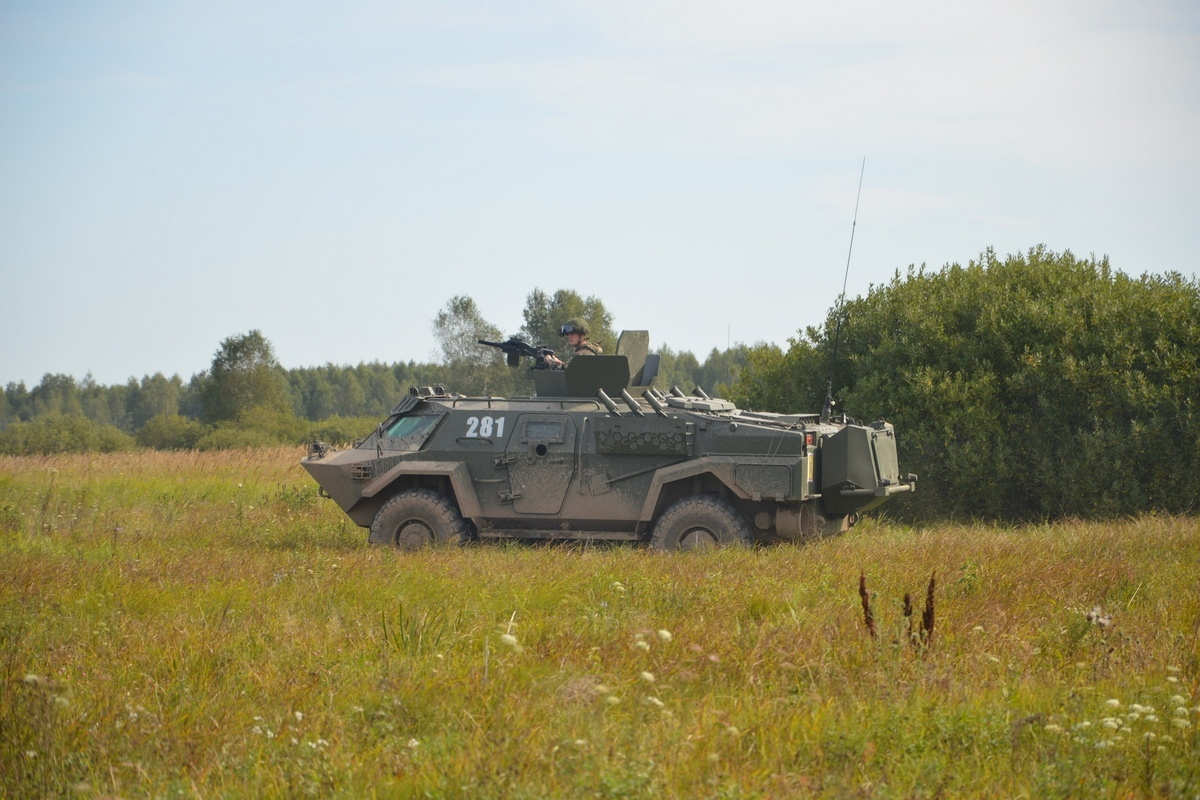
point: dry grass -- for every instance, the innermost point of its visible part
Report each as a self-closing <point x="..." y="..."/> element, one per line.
<point x="204" y="625"/>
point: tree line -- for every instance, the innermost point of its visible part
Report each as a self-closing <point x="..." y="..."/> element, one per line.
<point x="247" y="398"/>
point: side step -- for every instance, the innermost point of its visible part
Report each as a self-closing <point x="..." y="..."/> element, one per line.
<point x="586" y="536"/>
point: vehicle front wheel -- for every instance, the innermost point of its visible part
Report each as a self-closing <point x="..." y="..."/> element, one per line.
<point x="698" y="522"/>
<point x="418" y="518"/>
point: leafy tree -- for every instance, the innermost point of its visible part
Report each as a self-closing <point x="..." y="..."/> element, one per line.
<point x="17" y="399"/>
<point x="676" y="369"/>
<point x="1035" y="387"/>
<point x="155" y="396"/>
<point x="107" y="405"/>
<point x="191" y="403"/>
<point x="56" y="394"/>
<point x="244" y="375"/>
<point x="720" y="369"/>
<point x="458" y="327"/>
<point x="474" y="369"/>
<point x="545" y="314"/>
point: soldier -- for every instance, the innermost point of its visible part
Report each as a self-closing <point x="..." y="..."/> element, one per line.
<point x="576" y="331"/>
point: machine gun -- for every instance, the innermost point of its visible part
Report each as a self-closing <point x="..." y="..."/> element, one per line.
<point x="514" y="348"/>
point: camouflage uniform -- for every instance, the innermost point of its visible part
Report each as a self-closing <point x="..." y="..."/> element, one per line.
<point x="588" y="348"/>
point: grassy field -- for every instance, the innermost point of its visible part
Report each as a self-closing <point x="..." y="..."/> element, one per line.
<point x="203" y="625"/>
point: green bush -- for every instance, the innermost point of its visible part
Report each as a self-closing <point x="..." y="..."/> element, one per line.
<point x="1040" y="386"/>
<point x="257" y="427"/>
<point x="171" y="432"/>
<point x="62" y="433"/>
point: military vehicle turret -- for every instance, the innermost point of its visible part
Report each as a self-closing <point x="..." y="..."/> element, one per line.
<point x="598" y="453"/>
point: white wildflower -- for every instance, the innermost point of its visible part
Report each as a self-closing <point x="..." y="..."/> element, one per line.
<point x="612" y="699"/>
<point x="648" y="677"/>
<point x="617" y="586"/>
<point x="1151" y="718"/>
<point x="1113" y="703"/>
<point x="664" y="634"/>
<point x="1052" y="728"/>
<point x="642" y="645"/>
<point x="1178" y="700"/>
<point x="1172" y="679"/>
<point x="1111" y="724"/>
<point x="1180" y="712"/>
<point x="654" y="701"/>
<point x="299" y="715"/>
<point x="413" y="744"/>
<point x="1180" y="722"/>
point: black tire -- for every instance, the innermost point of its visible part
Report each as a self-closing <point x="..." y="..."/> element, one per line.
<point x="418" y="518"/>
<point x="698" y="522"/>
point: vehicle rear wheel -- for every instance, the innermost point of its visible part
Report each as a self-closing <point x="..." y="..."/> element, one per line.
<point x="418" y="518"/>
<point x="699" y="522"/>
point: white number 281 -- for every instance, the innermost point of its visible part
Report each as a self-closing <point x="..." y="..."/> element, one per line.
<point x="484" y="427"/>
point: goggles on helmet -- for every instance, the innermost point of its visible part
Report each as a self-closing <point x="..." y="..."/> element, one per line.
<point x="568" y="328"/>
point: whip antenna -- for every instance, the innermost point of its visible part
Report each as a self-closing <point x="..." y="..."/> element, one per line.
<point x="837" y="335"/>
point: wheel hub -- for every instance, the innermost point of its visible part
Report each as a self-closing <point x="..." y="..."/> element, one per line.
<point x="697" y="539"/>
<point x="413" y="535"/>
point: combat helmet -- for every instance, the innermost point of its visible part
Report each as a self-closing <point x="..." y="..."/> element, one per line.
<point x="574" y="325"/>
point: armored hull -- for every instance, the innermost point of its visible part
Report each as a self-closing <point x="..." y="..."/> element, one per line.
<point x="572" y="462"/>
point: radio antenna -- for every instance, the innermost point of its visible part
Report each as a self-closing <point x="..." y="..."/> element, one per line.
<point x="827" y="410"/>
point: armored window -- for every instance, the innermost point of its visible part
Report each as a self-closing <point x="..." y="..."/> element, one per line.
<point x="536" y="431"/>
<point x="410" y="426"/>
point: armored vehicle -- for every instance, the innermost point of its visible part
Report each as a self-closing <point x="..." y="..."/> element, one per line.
<point x="598" y="453"/>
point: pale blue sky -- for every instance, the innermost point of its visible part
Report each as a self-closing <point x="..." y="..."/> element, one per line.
<point x="175" y="173"/>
